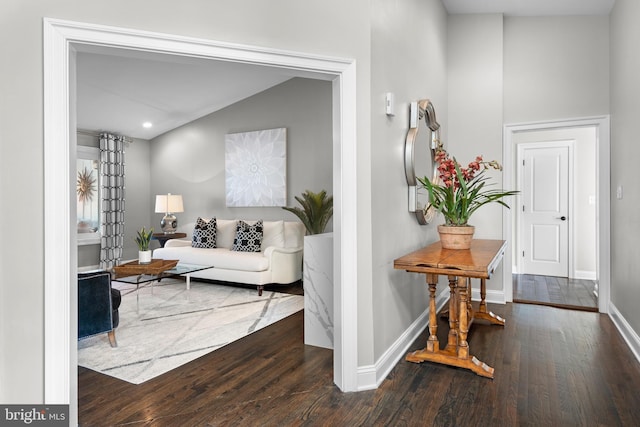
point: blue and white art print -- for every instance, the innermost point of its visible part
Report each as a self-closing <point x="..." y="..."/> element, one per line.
<point x="256" y="168"/>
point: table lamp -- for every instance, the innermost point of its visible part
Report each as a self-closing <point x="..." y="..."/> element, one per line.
<point x="169" y="204"/>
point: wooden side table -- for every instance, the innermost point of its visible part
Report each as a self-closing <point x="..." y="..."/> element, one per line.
<point x="162" y="238"/>
<point x="460" y="266"/>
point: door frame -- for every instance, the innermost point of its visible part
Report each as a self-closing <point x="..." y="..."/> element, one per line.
<point x="60" y="39"/>
<point x="570" y="201"/>
<point x="603" y="198"/>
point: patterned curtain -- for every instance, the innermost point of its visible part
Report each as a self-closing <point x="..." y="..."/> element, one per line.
<point x="113" y="196"/>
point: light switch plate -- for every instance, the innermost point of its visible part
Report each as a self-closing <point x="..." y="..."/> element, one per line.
<point x="389" y="104"/>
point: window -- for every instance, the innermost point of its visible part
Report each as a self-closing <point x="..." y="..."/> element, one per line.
<point x="88" y="195"/>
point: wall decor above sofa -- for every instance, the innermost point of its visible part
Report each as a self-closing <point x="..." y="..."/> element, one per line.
<point x="256" y="168"/>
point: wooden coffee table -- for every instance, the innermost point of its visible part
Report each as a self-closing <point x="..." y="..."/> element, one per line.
<point x="142" y="278"/>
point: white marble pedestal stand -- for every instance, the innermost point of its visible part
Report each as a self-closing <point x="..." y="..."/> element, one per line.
<point x="317" y="278"/>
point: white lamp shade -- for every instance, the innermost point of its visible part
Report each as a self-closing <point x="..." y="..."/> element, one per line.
<point x="169" y="203"/>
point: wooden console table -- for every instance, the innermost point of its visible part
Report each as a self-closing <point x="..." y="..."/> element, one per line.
<point x="460" y="266"/>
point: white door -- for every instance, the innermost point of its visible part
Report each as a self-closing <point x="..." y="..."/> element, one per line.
<point x="544" y="231"/>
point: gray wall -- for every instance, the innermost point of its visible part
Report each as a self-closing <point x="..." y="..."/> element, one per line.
<point x="190" y="160"/>
<point x="476" y="87"/>
<point x="287" y="24"/>
<point x="519" y="70"/>
<point x="138" y="196"/>
<point x="417" y="71"/>
<point x="625" y="152"/>
<point x="555" y="67"/>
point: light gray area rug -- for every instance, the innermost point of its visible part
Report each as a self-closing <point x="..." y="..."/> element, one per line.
<point x="168" y="326"/>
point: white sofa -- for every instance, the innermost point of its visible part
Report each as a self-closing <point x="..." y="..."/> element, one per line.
<point x="279" y="261"/>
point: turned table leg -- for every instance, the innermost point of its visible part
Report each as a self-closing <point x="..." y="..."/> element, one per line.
<point x="463" y="325"/>
<point x="456" y="353"/>
<point x="433" y="344"/>
<point x="483" y="296"/>
<point x="452" y="340"/>
<point x="482" y="312"/>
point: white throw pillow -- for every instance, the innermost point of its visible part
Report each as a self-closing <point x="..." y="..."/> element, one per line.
<point x="226" y="231"/>
<point x="273" y="234"/>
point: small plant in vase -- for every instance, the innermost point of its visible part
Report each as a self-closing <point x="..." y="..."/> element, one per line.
<point x="143" y="239"/>
<point x="458" y="193"/>
<point x="317" y="210"/>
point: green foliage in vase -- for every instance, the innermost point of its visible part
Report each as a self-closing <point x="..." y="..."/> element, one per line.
<point x="317" y="210"/>
<point x="143" y="239"/>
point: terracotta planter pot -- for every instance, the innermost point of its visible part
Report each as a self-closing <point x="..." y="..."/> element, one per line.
<point x="456" y="237"/>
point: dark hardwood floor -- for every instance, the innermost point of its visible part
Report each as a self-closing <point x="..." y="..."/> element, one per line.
<point x="553" y="368"/>
<point x="555" y="292"/>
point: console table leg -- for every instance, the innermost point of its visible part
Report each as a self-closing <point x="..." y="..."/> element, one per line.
<point x="433" y="344"/>
<point x="483" y="296"/>
<point x="452" y="339"/>
<point x="458" y="353"/>
<point x="482" y="312"/>
<point x="463" y="346"/>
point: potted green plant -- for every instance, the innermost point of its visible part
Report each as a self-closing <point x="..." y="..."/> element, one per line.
<point x="317" y="266"/>
<point x="317" y="210"/>
<point x="460" y="192"/>
<point x="143" y="239"/>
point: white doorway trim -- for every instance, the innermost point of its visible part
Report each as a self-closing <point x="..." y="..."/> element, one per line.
<point x="603" y="199"/>
<point x="61" y="38"/>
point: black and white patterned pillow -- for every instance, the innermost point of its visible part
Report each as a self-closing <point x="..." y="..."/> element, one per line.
<point x="204" y="234"/>
<point x="248" y="237"/>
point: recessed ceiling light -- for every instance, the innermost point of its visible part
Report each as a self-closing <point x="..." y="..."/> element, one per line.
<point x="147" y="125"/>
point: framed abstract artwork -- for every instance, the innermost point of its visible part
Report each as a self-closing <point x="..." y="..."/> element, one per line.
<point x="256" y="168"/>
<point x="88" y="192"/>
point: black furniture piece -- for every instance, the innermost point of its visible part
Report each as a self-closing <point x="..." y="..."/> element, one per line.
<point x="162" y="238"/>
<point x="98" y="305"/>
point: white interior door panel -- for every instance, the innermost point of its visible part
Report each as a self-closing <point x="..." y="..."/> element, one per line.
<point x="545" y="198"/>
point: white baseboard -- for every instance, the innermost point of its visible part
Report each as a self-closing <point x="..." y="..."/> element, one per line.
<point x="371" y="376"/>
<point x="492" y="296"/>
<point x="627" y="332"/>
<point x="585" y="275"/>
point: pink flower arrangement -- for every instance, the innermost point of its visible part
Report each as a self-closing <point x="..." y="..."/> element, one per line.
<point x="463" y="190"/>
<point x="447" y="168"/>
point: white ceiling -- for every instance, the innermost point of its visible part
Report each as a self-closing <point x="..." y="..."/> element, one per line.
<point x="531" y="7"/>
<point x="120" y="89"/>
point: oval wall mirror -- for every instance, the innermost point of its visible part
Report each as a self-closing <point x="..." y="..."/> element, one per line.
<point x="419" y="160"/>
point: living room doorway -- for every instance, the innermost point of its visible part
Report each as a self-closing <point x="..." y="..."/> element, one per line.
<point x="61" y="40"/>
